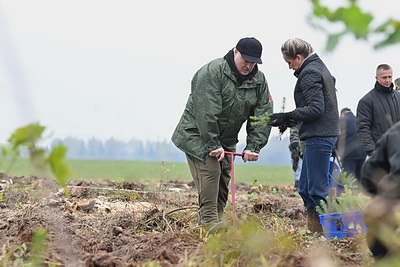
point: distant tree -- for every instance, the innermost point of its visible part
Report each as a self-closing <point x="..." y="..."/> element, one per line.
<point x="165" y="151"/>
<point x="149" y="151"/>
<point x="95" y="149"/>
<point x="355" y="22"/>
<point x="76" y="147"/>
<point x="55" y="142"/>
<point x="135" y="148"/>
<point x="115" y="149"/>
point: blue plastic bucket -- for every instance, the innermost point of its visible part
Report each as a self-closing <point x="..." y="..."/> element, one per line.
<point x="341" y="225"/>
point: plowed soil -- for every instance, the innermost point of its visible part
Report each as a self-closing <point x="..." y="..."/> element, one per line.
<point x="104" y="223"/>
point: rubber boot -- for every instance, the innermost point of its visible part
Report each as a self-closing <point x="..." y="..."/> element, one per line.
<point x="313" y="222"/>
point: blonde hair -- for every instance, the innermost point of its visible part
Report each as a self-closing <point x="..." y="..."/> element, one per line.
<point x="296" y="46"/>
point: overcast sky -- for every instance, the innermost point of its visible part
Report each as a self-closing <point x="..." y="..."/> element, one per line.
<point x="122" y="69"/>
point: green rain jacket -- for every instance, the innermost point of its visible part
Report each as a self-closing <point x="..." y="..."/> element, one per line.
<point x="217" y="108"/>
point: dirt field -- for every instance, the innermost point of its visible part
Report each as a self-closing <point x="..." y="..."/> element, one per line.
<point x="128" y="224"/>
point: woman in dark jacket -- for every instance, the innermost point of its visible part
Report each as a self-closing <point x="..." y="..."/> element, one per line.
<point x="318" y="117"/>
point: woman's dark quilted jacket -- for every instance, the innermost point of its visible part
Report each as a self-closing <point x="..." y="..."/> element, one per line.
<point x="315" y="98"/>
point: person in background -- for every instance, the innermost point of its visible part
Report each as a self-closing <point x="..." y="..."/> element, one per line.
<point x="397" y="84"/>
<point x="378" y="110"/>
<point x="349" y="149"/>
<point x="318" y="117"/>
<point x="225" y="93"/>
<point x="296" y="148"/>
<point x="380" y="176"/>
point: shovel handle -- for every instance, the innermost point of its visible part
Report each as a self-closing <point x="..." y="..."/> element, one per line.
<point x="233" y="153"/>
<point x="233" y="179"/>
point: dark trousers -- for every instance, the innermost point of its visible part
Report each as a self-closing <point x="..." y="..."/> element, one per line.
<point x="212" y="183"/>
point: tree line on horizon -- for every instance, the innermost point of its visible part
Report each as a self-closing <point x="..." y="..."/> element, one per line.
<point x="275" y="153"/>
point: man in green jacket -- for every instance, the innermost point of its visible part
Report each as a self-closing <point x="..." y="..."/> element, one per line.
<point x="225" y="93"/>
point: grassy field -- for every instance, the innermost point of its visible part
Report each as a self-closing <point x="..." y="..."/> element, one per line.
<point x="140" y="171"/>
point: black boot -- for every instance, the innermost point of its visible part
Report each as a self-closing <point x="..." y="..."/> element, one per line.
<point x="313" y="222"/>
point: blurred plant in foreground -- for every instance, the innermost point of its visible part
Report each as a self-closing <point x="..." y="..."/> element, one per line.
<point x="354" y="21"/>
<point x="45" y="161"/>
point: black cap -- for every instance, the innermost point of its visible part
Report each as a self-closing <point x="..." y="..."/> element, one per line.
<point x="251" y="49"/>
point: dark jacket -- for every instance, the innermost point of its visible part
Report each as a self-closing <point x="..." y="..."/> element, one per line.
<point x="348" y="145"/>
<point x="377" y="111"/>
<point x="315" y="98"/>
<point x="381" y="172"/>
<point x="217" y="108"/>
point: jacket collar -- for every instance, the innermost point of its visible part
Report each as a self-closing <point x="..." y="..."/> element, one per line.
<point x="382" y="89"/>
<point x="309" y="59"/>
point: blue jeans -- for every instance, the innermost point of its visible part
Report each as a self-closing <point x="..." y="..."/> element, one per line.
<point x="313" y="186"/>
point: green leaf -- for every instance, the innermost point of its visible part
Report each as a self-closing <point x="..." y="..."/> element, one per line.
<point x="356" y="21"/>
<point x="37" y="247"/>
<point x="29" y="136"/>
<point x="319" y="10"/>
<point x="384" y="27"/>
<point x="59" y="168"/>
<point x="393" y="37"/>
<point x="333" y="40"/>
<point x="26" y="136"/>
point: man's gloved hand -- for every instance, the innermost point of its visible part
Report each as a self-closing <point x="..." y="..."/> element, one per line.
<point x="278" y="119"/>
